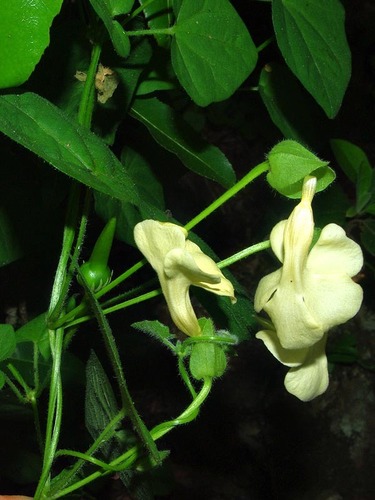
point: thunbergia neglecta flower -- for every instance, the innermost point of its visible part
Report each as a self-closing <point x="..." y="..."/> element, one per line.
<point x="180" y="263"/>
<point x="312" y="292"/>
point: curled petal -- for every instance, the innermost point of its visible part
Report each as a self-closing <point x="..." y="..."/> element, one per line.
<point x="288" y="357"/>
<point x="155" y="239"/>
<point x="277" y="240"/>
<point x="335" y="253"/>
<point x="266" y="288"/>
<point x="176" y="293"/>
<point x="309" y="380"/>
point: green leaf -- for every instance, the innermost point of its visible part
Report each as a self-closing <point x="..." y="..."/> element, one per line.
<point x="41" y="127"/>
<point x="174" y="134"/>
<point x="2" y="379"/>
<point x="100" y="404"/>
<point x="141" y="173"/>
<point x="150" y="189"/>
<point x="212" y="50"/>
<point x="290" y="163"/>
<point x="7" y="341"/>
<point x="24" y="35"/>
<point x="311" y="37"/>
<point x="32" y="331"/>
<point x="354" y="162"/>
<point x="158" y="331"/>
<point x="107" y="10"/>
<point x="350" y="157"/>
<point x="304" y="121"/>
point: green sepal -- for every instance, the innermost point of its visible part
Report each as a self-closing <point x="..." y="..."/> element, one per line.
<point x="290" y="163"/>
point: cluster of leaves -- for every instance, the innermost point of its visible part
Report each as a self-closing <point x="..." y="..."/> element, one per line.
<point x="163" y="61"/>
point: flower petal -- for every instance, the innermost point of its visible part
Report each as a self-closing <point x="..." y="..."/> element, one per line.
<point x="296" y="324"/>
<point x="155" y="239"/>
<point x="288" y="357"/>
<point x="277" y="240"/>
<point x="265" y="289"/>
<point x="200" y="269"/>
<point x="309" y="380"/>
<point x="334" y="253"/>
<point x="176" y="293"/>
<point x="334" y="298"/>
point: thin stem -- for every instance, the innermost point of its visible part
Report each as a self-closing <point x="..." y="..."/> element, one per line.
<point x="15" y="389"/>
<point x="117" y="307"/>
<point x="54" y="411"/>
<point x="114" y="357"/>
<point x="265" y="44"/>
<point x="104" y="436"/>
<point x="249" y="177"/>
<point x="124" y="461"/>
<point x="68" y="319"/>
<point x="87" y="103"/>
<point x="151" y="32"/>
<point x="242" y="254"/>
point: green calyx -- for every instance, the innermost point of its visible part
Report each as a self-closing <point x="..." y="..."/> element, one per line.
<point x="207" y="357"/>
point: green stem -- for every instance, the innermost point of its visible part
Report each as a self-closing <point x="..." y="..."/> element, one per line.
<point x="124" y="461"/>
<point x="118" y="307"/>
<point x="87" y="103"/>
<point x="15" y="389"/>
<point x="265" y="44"/>
<point x="68" y="319"/>
<point x="54" y="412"/>
<point x="114" y="357"/>
<point x="104" y="436"/>
<point x="242" y="254"/>
<point x="249" y="177"/>
<point x="150" y="32"/>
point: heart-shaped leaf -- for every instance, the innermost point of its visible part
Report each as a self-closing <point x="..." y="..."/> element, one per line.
<point x="212" y="50"/>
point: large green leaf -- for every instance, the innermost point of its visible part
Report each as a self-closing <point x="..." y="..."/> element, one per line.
<point x="41" y="127"/>
<point x="174" y="134"/>
<point x="24" y="35"/>
<point x="212" y="50"/>
<point x="311" y="37"/>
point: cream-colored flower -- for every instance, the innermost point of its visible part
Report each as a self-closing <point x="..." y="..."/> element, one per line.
<point x="179" y="263"/>
<point x="312" y="292"/>
<point x="308" y="374"/>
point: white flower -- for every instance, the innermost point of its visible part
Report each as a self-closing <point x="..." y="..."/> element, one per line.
<point x="179" y="263"/>
<point x="312" y="292"/>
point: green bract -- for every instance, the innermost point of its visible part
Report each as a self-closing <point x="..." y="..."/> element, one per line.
<point x="24" y="36"/>
<point x="290" y="163"/>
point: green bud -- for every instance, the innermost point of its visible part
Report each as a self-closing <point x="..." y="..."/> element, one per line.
<point x="207" y="359"/>
<point x="96" y="271"/>
<point x="290" y="163"/>
<point x="95" y="276"/>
